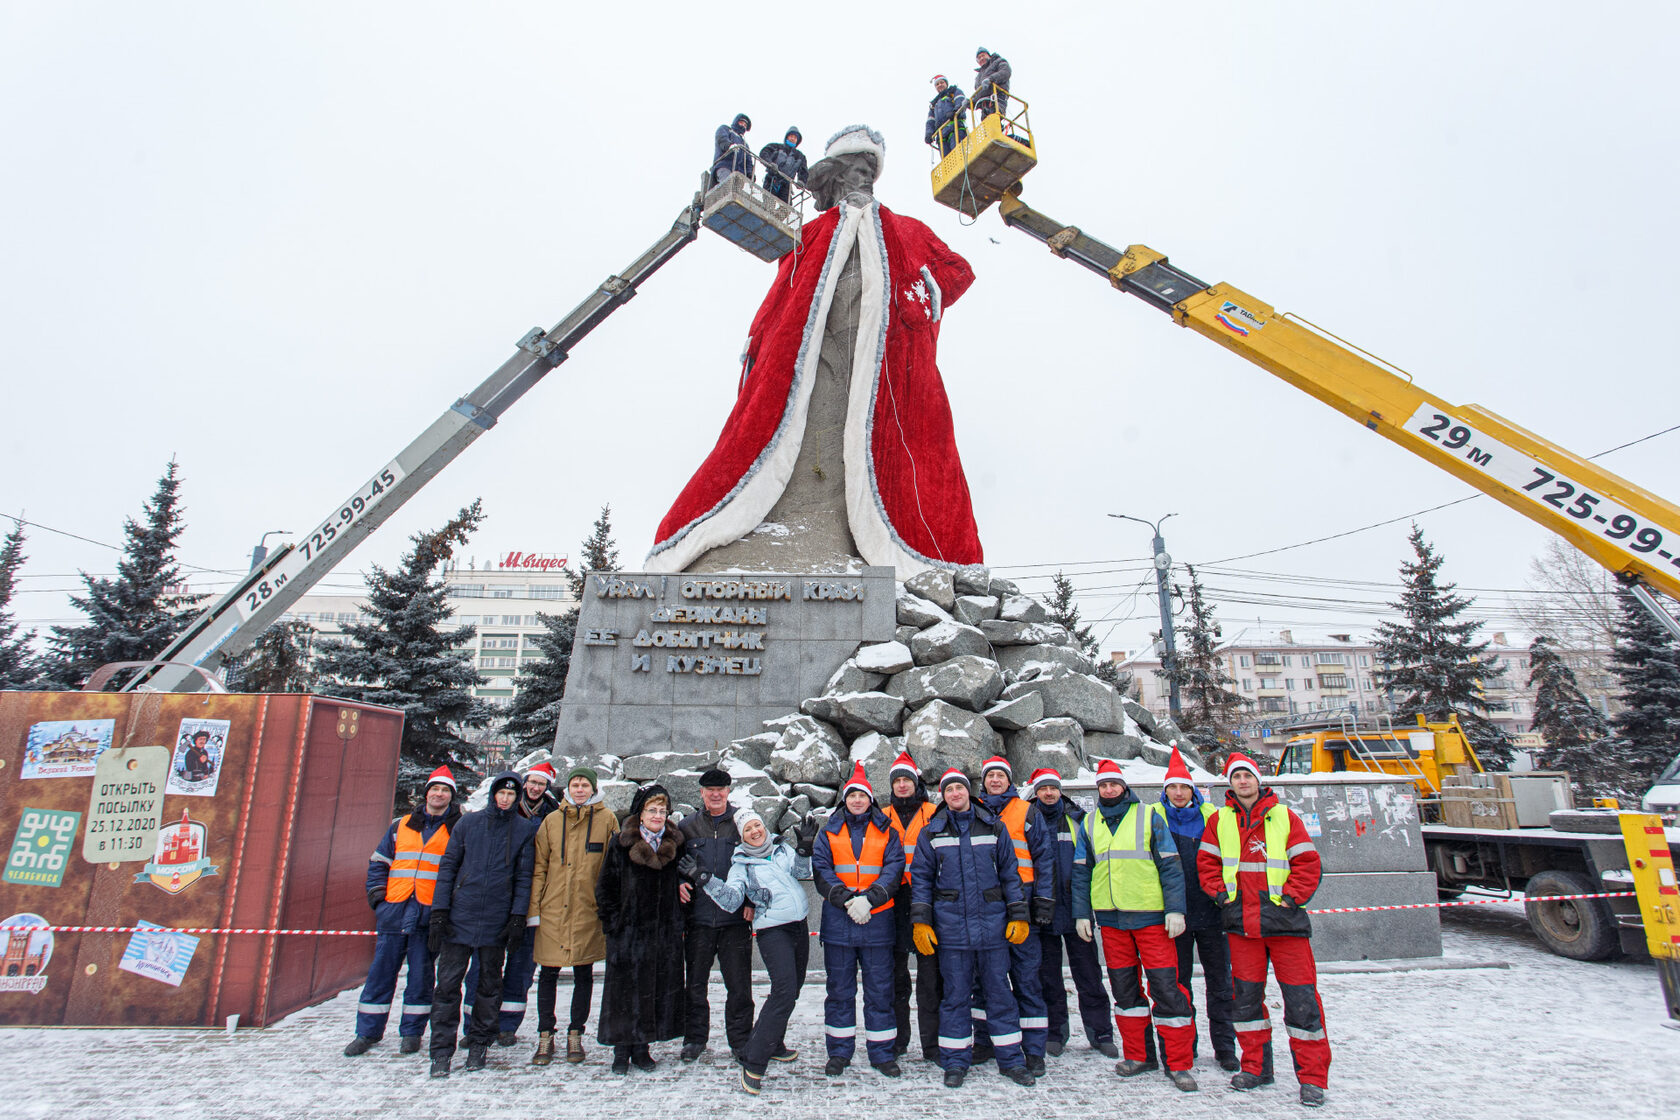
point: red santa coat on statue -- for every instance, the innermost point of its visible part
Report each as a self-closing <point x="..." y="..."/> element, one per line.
<point x="907" y="500"/>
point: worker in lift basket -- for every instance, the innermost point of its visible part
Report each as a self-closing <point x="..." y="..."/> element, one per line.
<point x="784" y="164"/>
<point x="729" y="149"/>
<point x="947" y="119"/>
<point x="1257" y="862"/>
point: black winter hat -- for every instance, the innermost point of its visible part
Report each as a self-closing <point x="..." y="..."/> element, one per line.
<point x="507" y="779"/>
<point x="793" y="131"/>
<point x="714" y="778"/>
<point x="739" y="117"/>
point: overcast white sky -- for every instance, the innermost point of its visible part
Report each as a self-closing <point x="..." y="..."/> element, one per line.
<point x="277" y="241"/>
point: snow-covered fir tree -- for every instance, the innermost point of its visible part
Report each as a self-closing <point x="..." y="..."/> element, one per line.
<point x="1064" y="611"/>
<point x="1207" y="704"/>
<point x="534" y="716"/>
<point x="280" y="660"/>
<point x="1573" y="729"/>
<point x="407" y="658"/>
<point x="132" y="617"/>
<point x="1430" y="662"/>
<point x="1647" y="662"/>
<point x="17" y="659"/>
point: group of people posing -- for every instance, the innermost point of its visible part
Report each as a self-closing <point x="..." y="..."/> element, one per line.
<point x="947" y="123"/>
<point x="967" y="900"/>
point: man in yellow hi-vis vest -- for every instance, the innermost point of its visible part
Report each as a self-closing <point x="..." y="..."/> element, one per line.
<point x="1260" y="866"/>
<point x="1128" y="882"/>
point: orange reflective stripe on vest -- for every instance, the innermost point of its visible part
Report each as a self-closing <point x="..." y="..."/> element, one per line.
<point x="1014" y="817"/>
<point x="414" y="871"/>
<point x="860" y="875"/>
<point x="908" y="835"/>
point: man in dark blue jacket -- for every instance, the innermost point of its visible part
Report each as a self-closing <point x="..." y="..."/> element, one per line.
<point x="947" y="119"/>
<point x="1063" y="818"/>
<point x="784" y="164"/>
<point x="483" y="897"/>
<point x="729" y="149"/>
<point x="401" y="880"/>
<point x="710" y="837"/>
<point x="967" y="901"/>
<point x="857" y="864"/>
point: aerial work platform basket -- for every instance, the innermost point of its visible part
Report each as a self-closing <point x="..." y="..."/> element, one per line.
<point x="997" y="151"/>
<point x="745" y="212"/>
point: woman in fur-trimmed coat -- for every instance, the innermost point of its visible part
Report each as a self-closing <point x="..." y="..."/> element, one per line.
<point x="643" y="999"/>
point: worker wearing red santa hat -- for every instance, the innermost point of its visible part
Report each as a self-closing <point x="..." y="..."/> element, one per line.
<point x="401" y="876"/>
<point x="1129" y="884"/>
<point x="1259" y="864"/>
<point x="1064" y="817"/>
<point x="1034" y="860"/>
<point x="1187" y="816"/>
<point x="858" y="863"/>
<point x="908" y="812"/>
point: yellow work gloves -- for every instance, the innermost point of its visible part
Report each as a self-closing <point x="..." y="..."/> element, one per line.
<point x="1015" y="932"/>
<point x="924" y="937"/>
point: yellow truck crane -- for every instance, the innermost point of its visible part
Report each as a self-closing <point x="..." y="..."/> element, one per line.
<point x="1629" y="530"/>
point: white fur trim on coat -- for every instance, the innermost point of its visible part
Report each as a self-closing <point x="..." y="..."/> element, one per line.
<point x="858" y="138"/>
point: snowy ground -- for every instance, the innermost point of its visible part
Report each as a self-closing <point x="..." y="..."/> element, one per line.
<point x="1545" y="1037"/>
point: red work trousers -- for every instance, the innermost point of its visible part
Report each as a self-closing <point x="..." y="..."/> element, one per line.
<point x="1123" y="951"/>
<point x="1303" y="1012"/>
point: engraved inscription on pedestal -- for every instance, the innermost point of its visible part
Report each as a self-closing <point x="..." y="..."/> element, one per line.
<point x="689" y="662"/>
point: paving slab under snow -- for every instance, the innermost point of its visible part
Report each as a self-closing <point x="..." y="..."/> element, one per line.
<point x="1544" y="1037"/>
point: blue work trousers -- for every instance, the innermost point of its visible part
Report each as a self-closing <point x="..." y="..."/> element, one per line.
<point x="880" y="1026"/>
<point x="1024" y="963"/>
<point x="958" y="971"/>
<point x="390" y="950"/>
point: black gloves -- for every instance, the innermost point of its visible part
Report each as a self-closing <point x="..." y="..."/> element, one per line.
<point x="439" y="935"/>
<point x="805" y="835"/>
<point x="1043" y="911"/>
<point x="840" y="894"/>
<point x="515" y="931"/>
<point x="1286" y="902"/>
<point x="1222" y="899"/>
<point x="689" y="868"/>
<point x="376" y="895"/>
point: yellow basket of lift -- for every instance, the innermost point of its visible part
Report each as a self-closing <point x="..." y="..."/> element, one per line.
<point x="997" y="151"/>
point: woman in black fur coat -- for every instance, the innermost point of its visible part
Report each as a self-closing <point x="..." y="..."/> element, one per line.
<point x="643" y="998"/>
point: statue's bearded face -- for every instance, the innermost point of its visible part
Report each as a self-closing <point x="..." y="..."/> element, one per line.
<point x="836" y="177"/>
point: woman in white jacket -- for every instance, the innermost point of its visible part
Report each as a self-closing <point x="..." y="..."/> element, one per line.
<point x="765" y="874"/>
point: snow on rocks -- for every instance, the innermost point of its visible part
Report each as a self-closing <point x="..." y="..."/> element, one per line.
<point x="810" y="751"/>
<point x="936" y="585"/>
<point x="1001" y="633"/>
<point x="913" y="611"/>
<point x="617" y="795"/>
<point x="1013" y="715"/>
<point x="820" y="796"/>
<point x="754" y="750"/>
<point x="972" y="579"/>
<point x="941" y="735"/>
<point x="650" y="767"/>
<point x="969" y="680"/>
<point x="1109" y="744"/>
<point x="1085" y="698"/>
<point x="877" y="752"/>
<point x="887" y="658"/>
<point x="1058" y="743"/>
<point x="945" y="640"/>
<point x="855" y="713"/>
<point x="973" y="609"/>
<point x="853" y="677"/>
<point x="1021" y="662"/>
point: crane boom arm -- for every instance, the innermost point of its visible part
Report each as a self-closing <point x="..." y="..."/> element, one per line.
<point x="258" y="600"/>
<point x="1620" y="525"/>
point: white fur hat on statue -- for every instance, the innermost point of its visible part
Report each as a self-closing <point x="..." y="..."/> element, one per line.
<point x="858" y="138"/>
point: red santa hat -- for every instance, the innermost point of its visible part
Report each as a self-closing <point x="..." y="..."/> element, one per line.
<point x="442" y="777"/>
<point x="903" y="764"/>
<point x="858" y="138"/>
<point x="1177" y="771"/>
<point x="544" y="771"/>
<point x="937" y="78"/>
<point x="1240" y="761"/>
<point x="1043" y="776"/>
<point x="857" y="781"/>
<point x="952" y="775"/>
<point x="996" y="762"/>
<point x="1108" y="770"/>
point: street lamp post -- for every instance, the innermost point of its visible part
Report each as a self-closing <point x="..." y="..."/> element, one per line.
<point x="260" y="553"/>
<point x="1163" y="568"/>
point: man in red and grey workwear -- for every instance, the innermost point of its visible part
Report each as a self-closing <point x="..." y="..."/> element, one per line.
<point x="402" y="874"/>
<point x="1257" y="862"/>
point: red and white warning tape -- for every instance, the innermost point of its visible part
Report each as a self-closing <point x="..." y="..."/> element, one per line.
<point x="374" y="933"/>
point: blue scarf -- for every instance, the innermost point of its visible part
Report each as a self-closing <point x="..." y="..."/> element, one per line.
<point x="1188" y="820"/>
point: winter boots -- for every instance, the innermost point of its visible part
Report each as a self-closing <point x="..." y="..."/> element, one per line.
<point x="1055" y="1046"/>
<point x="889" y="1069"/>
<point x="1107" y="1048"/>
<point x="1243" y="1081"/>
<point x="359" y="1045"/>
<point x="751" y="1082"/>
<point x="476" y="1058"/>
<point x="507" y="1038"/>
<point x="1230" y="1063"/>
<point x="784" y="1054"/>
<point x="545" y="1049"/>
<point x="1131" y="1067"/>
<point x="834" y="1067"/>
<point x="1312" y="1096"/>
<point x="410" y="1044"/>
<point x="621" y="1060"/>
<point x="953" y="1078"/>
<point x="1035" y="1064"/>
<point x="1020" y="1075"/>
<point x="574" y="1047"/>
<point x="440" y="1067"/>
<point x="1182" y="1081"/>
<point x="692" y="1050"/>
<point x="641" y="1059"/>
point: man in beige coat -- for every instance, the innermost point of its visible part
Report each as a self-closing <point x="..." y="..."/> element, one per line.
<point x="570" y="847"/>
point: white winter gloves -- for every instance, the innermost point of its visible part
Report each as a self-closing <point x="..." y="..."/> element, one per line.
<point x="1083" y="928"/>
<point x="858" y="910"/>
<point x="1175" y="924"/>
